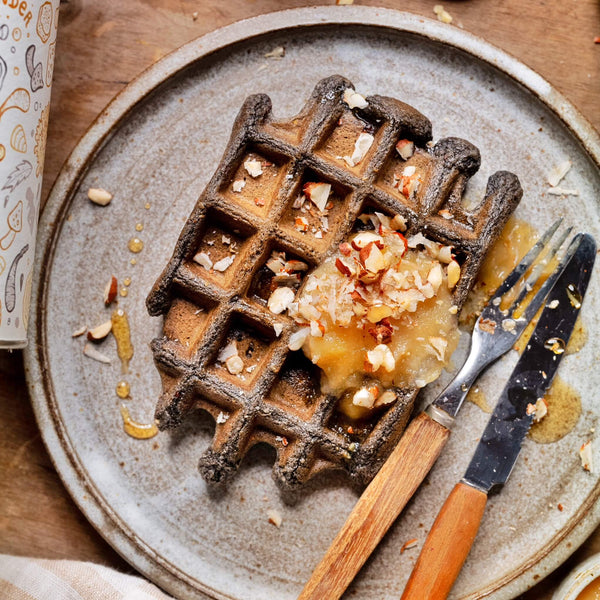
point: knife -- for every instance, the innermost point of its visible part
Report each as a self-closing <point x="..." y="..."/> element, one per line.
<point x="453" y="532"/>
<point x="425" y="437"/>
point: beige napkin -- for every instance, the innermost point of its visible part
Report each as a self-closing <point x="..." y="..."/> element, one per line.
<point x="39" y="579"/>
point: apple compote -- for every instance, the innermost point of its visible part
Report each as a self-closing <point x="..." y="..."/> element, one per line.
<point x="378" y="315"/>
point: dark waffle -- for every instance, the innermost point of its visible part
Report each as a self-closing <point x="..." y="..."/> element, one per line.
<point x="280" y="401"/>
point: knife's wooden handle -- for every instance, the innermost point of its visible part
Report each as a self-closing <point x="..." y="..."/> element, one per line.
<point x="447" y="545"/>
<point x="377" y="508"/>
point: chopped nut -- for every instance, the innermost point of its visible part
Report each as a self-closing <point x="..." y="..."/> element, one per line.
<point x="353" y="99"/>
<point x="95" y="354"/>
<point x="442" y="14"/>
<point x="301" y="224"/>
<point x="554" y="304"/>
<point x="585" y="453"/>
<point x="238" y="185"/>
<point x="364" y="238"/>
<point x="365" y="397"/>
<point x="558" y="172"/>
<point x="259" y="202"/>
<point x="275" y="518"/>
<point x="203" y="259"/>
<point x="453" y="274"/>
<point x="278" y="328"/>
<point x="99" y="196"/>
<point x="298" y="338"/>
<point x="378" y="312"/>
<point x="539" y="410"/>
<point x="280" y="299"/>
<point x="398" y="223"/>
<point x="380" y="356"/>
<point x="361" y="147"/>
<point x="224" y="264"/>
<point x="445" y="254"/>
<point x="317" y="193"/>
<point x="228" y="351"/>
<point x="372" y="258"/>
<point x="110" y="291"/>
<point x="382" y="332"/>
<point x="80" y="331"/>
<point x="99" y="332"/>
<point x="278" y="52"/>
<point x="253" y="167"/>
<point x="317" y="329"/>
<point x="405" y="149"/>
<point x="222" y="418"/>
<point x="509" y="325"/>
<point x="234" y="364"/>
<point x="487" y="325"/>
<point x="387" y="397"/>
<point x="446" y="214"/>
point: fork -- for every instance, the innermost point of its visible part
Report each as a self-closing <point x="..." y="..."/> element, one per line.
<point x="495" y="332"/>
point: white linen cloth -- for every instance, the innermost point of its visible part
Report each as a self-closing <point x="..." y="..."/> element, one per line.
<point x="23" y="578"/>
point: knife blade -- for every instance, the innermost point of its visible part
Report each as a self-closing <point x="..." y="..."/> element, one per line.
<point x="453" y="533"/>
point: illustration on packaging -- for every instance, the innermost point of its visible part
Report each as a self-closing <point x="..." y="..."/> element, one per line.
<point x="27" y="53"/>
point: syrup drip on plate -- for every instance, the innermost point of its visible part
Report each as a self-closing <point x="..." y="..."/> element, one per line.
<point x="122" y="334"/>
<point x="123" y="389"/>
<point x="139" y="431"/>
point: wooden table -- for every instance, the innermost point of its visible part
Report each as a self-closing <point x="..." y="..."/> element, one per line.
<point x="104" y="44"/>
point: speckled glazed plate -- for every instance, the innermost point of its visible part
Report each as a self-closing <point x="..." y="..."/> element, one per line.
<point x="155" y="147"/>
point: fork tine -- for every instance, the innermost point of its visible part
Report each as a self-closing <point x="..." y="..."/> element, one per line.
<point x="527" y="261"/>
<point x="541" y="294"/>
<point x="538" y="270"/>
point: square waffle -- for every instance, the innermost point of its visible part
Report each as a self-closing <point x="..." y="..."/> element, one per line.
<point x="276" y="398"/>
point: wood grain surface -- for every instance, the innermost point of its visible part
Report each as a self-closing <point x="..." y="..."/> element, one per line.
<point x="104" y="44"/>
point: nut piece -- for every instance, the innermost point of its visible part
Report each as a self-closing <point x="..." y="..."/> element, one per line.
<point x="585" y="453"/>
<point x="378" y="312"/>
<point x="110" y="291"/>
<point x="442" y="14"/>
<point x="79" y="331"/>
<point x="298" y="338"/>
<point x="405" y="149"/>
<point x="238" y="185"/>
<point x="99" y="196"/>
<point x="275" y="518"/>
<point x="353" y="99"/>
<point x="317" y="193"/>
<point x="453" y="274"/>
<point x="280" y="299"/>
<point x="364" y="238"/>
<point x="387" y="397"/>
<point x="365" y="396"/>
<point x="203" y="259"/>
<point x="224" y="264"/>
<point x="91" y="352"/>
<point x="99" y="332"/>
<point x="372" y="258"/>
<point x="253" y="167"/>
<point x="234" y="364"/>
<point x="380" y="356"/>
<point x="361" y="147"/>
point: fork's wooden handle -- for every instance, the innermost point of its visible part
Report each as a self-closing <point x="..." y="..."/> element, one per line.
<point x="377" y="508"/>
<point x="447" y="545"/>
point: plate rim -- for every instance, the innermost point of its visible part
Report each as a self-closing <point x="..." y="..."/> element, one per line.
<point x="64" y="456"/>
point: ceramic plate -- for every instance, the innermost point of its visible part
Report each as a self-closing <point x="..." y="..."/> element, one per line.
<point x="155" y="147"/>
